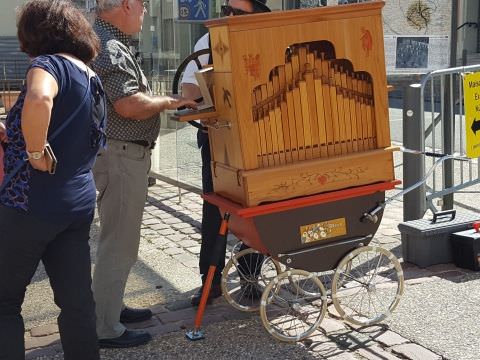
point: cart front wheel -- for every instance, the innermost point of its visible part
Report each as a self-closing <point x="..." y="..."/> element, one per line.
<point x="244" y="278"/>
<point x="367" y="285"/>
<point x="293" y="305"/>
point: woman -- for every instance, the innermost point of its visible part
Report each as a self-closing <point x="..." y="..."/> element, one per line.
<point x="45" y="216"/>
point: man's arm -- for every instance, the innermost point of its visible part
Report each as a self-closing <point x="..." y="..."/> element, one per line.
<point x="141" y="106"/>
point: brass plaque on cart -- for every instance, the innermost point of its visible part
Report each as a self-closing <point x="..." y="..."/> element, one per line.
<point x="323" y="230"/>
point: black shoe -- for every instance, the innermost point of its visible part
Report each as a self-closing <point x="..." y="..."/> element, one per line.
<point x="215" y="292"/>
<point x="130" y="315"/>
<point x="151" y="181"/>
<point x="130" y="338"/>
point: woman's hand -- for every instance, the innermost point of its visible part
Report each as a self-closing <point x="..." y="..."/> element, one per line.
<point x="40" y="164"/>
<point x="3" y="133"/>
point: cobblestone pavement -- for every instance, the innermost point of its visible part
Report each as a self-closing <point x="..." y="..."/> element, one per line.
<point x="166" y="275"/>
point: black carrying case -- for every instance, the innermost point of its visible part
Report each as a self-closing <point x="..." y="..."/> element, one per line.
<point x="466" y="249"/>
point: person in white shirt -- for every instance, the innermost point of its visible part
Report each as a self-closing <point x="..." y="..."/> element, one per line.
<point x="211" y="217"/>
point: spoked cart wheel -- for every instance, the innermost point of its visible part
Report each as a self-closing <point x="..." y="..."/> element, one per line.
<point x="288" y="311"/>
<point x="367" y="285"/>
<point x="245" y="277"/>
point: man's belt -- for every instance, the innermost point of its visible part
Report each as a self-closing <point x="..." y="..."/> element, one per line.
<point x="143" y="143"/>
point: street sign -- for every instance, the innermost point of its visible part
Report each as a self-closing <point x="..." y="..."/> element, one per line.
<point x="471" y="87"/>
<point x="193" y="10"/>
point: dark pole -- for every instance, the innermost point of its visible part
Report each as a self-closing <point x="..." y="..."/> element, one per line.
<point x="449" y="120"/>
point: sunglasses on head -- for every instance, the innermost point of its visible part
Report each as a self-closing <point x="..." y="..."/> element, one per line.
<point x="227" y="10"/>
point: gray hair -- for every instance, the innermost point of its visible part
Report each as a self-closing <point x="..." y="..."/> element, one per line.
<point x="104" y="5"/>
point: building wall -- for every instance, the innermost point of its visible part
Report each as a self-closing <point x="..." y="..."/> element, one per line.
<point x="8" y="17"/>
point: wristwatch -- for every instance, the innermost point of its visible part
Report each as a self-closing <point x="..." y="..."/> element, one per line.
<point x="35" y="155"/>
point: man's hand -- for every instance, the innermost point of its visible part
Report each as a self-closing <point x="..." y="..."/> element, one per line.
<point x="174" y="102"/>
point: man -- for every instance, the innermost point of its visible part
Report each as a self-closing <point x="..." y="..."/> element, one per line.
<point x="121" y="171"/>
<point x="211" y="217"/>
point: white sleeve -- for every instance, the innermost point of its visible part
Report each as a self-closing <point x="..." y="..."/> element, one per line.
<point x="189" y="73"/>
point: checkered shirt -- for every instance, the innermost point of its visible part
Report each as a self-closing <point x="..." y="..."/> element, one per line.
<point x="121" y="76"/>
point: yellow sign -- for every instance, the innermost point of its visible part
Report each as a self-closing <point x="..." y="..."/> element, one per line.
<point x="471" y="88"/>
<point x="323" y="230"/>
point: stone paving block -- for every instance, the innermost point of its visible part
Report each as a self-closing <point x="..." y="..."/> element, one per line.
<point x="332" y="312"/>
<point x="206" y="320"/>
<point x="166" y="232"/>
<point x="390" y="338"/>
<point x="410" y="272"/>
<point x="194" y="249"/>
<point x="159" y="226"/>
<point x="161" y="214"/>
<point x="440" y="268"/>
<point x="189" y="231"/>
<point x="372" y="330"/>
<point x="415" y="352"/>
<point x="234" y="314"/>
<point x="41" y="341"/>
<point x="389" y="231"/>
<point x="43" y="353"/>
<point x="177" y="237"/>
<point x="193" y="264"/>
<point x="158" y="309"/>
<point x="322" y="345"/>
<point x="332" y="325"/>
<point x="186" y="243"/>
<point x="172" y="220"/>
<point x="154" y="321"/>
<point x="179" y="315"/>
<point x="376" y="353"/>
<point x="44" y="330"/>
<point x="343" y="356"/>
<point x="180" y="304"/>
<point x="182" y="225"/>
<point x="450" y="274"/>
<point x="148" y="232"/>
<point x="420" y="280"/>
<point x="173" y="251"/>
<point x="161" y="241"/>
<point x="151" y="220"/>
<point x="164" y="329"/>
<point x="185" y="257"/>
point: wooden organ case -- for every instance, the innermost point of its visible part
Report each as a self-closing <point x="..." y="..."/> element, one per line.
<point x="304" y="95"/>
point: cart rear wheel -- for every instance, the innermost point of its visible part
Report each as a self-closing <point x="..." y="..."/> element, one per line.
<point x="244" y="278"/>
<point x="236" y="249"/>
<point x="287" y="310"/>
<point x="367" y="285"/>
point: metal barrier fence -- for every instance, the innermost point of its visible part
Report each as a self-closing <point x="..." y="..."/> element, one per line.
<point x="9" y="91"/>
<point x="176" y="158"/>
<point x="434" y="121"/>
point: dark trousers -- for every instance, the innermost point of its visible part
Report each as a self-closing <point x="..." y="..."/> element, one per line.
<point x="65" y="253"/>
<point x="211" y="218"/>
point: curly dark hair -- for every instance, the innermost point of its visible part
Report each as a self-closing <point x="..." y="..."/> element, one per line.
<point x="48" y="27"/>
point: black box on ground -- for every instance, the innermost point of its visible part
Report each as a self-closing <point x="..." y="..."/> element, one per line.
<point x="466" y="249"/>
<point x="426" y="242"/>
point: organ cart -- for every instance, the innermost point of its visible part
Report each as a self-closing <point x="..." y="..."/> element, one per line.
<point x="300" y="144"/>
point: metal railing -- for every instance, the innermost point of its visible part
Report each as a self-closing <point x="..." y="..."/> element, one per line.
<point x="434" y="121"/>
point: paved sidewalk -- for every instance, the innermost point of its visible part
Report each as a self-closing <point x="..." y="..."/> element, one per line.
<point x="436" y="319"/>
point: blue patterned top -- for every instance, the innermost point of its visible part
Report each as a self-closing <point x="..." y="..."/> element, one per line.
<point x="70" y="192"/>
